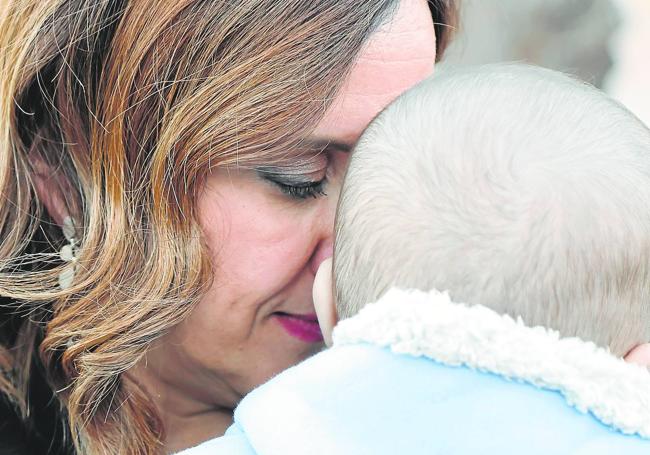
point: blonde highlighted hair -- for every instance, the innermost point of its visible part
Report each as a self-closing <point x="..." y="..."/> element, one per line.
<point x="129" y="104"/>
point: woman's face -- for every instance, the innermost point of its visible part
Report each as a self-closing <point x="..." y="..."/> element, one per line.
<point x="268" y="233"/>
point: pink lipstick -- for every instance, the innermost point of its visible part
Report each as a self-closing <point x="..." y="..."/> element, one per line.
<point x="304" y="327"/>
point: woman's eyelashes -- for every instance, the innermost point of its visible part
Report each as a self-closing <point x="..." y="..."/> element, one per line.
<point x="302" y="190"/>
<point x="295" y="184"/>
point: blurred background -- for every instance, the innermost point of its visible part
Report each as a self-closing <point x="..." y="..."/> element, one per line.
<point x="605" y="42"/>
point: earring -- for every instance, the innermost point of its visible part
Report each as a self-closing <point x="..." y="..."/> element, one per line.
<point x="68" y="254"/>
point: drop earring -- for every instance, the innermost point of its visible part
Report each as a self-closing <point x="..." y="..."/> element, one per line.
<point x="68" y="254"/>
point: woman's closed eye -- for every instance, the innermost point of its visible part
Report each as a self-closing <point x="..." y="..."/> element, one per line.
<point x="295" y="186"/>
<point x="296" y="183"/>
<point x="301" y="190"/>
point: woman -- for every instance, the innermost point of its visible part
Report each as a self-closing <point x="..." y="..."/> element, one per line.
<point x="169" y="175"/>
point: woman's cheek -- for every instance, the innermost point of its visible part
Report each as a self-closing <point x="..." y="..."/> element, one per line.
<point x="262" y="244"/>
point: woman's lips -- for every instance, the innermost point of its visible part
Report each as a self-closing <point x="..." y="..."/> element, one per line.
<point x="301" y="326"/>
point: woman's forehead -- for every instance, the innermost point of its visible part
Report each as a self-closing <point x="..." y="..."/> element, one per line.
<point x="399" y="55"/>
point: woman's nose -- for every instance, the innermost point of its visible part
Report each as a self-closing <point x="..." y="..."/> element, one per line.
<point x="325" y="220"/>
<point x="324" y="250"/>
<point x="324" y="246"/>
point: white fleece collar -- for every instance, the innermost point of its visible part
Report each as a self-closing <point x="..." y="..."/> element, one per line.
<point x="429" y="324"/>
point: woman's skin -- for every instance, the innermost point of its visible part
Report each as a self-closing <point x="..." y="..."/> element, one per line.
<point x="267" y="243"/>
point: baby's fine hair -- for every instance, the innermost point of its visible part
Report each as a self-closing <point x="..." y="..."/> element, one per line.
<point x="510" y="186"/>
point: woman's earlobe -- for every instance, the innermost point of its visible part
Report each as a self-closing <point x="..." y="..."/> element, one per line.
<point x="50" y="186"/>
<point x="639" y="355"/>
<point x="323" y="295"/>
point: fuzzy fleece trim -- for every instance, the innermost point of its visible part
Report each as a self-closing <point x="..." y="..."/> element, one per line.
<point x="429" y="324"/>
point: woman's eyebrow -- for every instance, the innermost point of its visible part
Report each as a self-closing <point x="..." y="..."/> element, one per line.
<point x="325" y="144"/>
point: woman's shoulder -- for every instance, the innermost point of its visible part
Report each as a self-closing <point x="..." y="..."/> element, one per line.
<point x="43" y="434"/>
<point x="14" y="438"/>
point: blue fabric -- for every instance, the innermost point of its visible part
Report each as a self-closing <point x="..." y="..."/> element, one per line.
<point x="234" y="442"/>
<point x="367" y="400"/>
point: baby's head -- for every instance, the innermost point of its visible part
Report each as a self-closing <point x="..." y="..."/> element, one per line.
<point x="510" y="186"/>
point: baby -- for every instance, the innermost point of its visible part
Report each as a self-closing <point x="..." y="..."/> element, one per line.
<point x="523" y="194"/>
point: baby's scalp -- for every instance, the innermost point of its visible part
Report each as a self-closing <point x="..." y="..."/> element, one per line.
<point x="511" y="186"/>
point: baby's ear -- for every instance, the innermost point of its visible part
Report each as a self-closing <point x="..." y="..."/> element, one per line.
<point x="323" y="294"/>
<point x="640" y="355"/>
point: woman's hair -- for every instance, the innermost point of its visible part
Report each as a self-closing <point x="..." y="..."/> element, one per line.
<point x="127" y="105"/>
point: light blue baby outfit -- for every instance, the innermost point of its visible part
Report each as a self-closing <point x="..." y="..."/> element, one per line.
<point x="417" y="374"/>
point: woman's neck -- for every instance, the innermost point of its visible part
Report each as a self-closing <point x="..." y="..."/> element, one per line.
<point x="187" y="430"/>
<point x="187" y="420"/>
